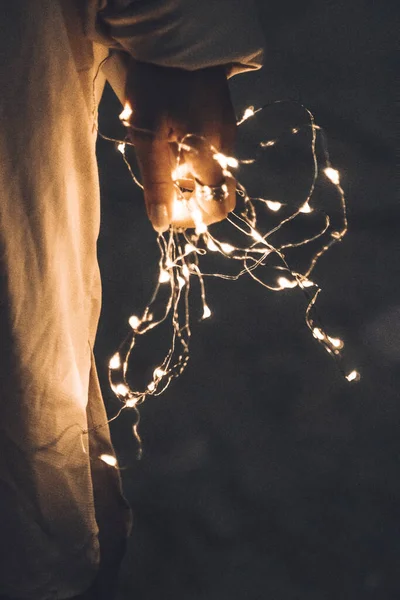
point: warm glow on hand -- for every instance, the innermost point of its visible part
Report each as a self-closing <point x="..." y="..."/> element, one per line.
<point x="165" y="107"/>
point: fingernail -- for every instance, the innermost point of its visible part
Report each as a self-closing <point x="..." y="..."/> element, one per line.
<point x="159" y="217"/>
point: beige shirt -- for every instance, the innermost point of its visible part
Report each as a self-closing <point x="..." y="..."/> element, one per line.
<point x="49" y="279"/>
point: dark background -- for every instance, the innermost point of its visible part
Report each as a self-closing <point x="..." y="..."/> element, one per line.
<point x="265" y="475"/>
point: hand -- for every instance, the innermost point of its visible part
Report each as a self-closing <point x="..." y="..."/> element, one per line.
<point x="167" y="105"/>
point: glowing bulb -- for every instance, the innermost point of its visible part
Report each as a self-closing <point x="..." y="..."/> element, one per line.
<point x="108" y="459"/>
<point x="306" y="208"/>
<point x="201" y="228"/>
<point x="206" y="312"/>
<point x="226" y="161"/>
<point x="189" y="248"/>
<point x="268" y="144"/>
<point x="211" y="245"/>
<point x="286" y="283"/>
<point x="115" y="362"/>
<point x="179" y="210"/>
<point x="181" y="282"/>
<point x="333" y="175"/>
<point x="126" y="113"/>
<point x="152" y="386"/>
<point x="186" y="147"/>
<point x="158" y="373"/>
<point x="295" y="130"/>
<point x="164" y="276"/>
<point x="180" y="172"/>
<point x="256" y="236"/>
<point x="307" y="283"/>
<point x="121" y="147"/>
<point x="272" y="205"/>
<point x="131" y="402"/>
<point x="318" y="333"/>
<point x="134" y="322"/>
<point x="227" y="248"/>
<point x="185" y="272"/>
<point x="249" y="112"/>
<point x="121" y="389"/>
<point x="353" y="376"/>
<point x="336" y="342"/>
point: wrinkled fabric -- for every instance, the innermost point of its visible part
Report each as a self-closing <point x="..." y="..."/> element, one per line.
<point x="49" y="308"/>
<point x="190" y="34"/>
<point x="55" y="493"/>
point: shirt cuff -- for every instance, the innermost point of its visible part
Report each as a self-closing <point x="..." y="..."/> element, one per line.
<point x="188" y="34"/>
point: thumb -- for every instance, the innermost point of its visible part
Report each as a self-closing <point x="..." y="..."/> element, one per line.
<point x="156" y="161"/>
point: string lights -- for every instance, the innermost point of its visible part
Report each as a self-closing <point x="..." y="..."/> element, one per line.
<point x="248" y="246"/>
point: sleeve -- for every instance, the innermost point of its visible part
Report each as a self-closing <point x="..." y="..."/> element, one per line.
<point x="189" y="34"/>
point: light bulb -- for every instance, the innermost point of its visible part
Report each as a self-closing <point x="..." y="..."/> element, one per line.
<point x="115" y="362"/>
<point x="333" y="175"/>
<point x="134" y="322"/>
<point x="108" y="459"/>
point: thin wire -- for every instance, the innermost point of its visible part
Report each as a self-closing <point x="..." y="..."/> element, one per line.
<point x="181" y="253"/>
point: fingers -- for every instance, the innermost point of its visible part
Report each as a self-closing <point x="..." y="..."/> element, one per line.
<point x="167" y="105"/>
<point x="199" y="156"/>
<point x="206" y="166"/>
<point x="156" y="162"/>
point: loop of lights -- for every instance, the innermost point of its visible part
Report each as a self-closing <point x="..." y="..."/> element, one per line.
<point x="182" y="251"/>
